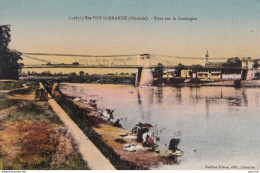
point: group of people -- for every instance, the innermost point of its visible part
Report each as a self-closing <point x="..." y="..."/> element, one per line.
<point x="93" y="103"/>
<point x="141" y="131"/>
<point x="149" y="139"/>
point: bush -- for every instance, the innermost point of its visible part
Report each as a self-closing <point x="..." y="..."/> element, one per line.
<point x="6" y="103"/>
<point x="31" y="107"/>
<point x="10" y="85"/>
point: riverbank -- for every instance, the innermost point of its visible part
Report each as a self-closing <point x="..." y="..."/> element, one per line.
<point x="243" y="83"/>
<point x="130" y="80"/>
<point x="105" y="137"/>
<point x="226" y="83"/>
<point x="96" y="79"/>
<point x="32" y="137"/>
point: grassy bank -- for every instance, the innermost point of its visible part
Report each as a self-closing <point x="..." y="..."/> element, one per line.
<point x="9" y="85"/>
<point x="96" y="79"/>
<point x="7" y="103"/>
<point x="32" y="137"/>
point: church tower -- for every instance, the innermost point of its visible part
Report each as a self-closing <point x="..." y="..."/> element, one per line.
<point x="207" y="58"/>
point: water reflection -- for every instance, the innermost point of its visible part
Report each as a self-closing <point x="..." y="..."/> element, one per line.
<point x="159" y="95"/>
<point x="139" y="100"/>
<point x="244" y="95"/>
<point x="178" y="95"/>
<point x="207" y="102"/>
<point x="194" y="94"/>
<point x="220" y="123"/>
<point x="145" y="101"/>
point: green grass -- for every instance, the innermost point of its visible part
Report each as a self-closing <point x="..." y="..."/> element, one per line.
<point x="7" y="103"/>
<point x="33" y="112"/>
<point x="74" y="162"/>
<point x="10" y="165"/>
<point x="1" y="164"/>
<point x="2" y="95"/>
<point x="11" y="85"/>
<point x="27" y="107"/>
<point x="33" y="85"/>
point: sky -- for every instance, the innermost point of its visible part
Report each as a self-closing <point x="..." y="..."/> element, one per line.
<point x="227" y="28"/>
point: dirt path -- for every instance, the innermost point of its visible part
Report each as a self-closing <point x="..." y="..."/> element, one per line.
<point x="22" y="97"/>
<point x="95" y="159"/>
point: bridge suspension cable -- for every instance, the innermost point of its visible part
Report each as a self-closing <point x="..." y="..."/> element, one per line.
<point x="38" y="59"/>
<point x="174" y="60"/>
<point x="179" y="57"/>
<point x="75" y="55"/>
<point x="164" y="60"/>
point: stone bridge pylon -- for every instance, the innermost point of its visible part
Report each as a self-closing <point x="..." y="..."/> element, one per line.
<point x="144" y="75"/>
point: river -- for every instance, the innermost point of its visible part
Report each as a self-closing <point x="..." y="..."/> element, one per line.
<point x="218" y="126"/>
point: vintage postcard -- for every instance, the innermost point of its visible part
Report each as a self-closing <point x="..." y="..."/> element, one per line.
<point x="130" y="85"/>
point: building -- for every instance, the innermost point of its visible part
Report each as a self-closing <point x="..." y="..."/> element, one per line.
<point x="217" y="71"/>
<point x="186" y="73"/>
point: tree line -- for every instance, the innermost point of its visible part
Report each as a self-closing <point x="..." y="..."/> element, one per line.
<point x="9" y="66"/>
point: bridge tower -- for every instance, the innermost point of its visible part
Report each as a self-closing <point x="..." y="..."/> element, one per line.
<point x="146" y="78"/>
<point x="247" y="69"/>
<point x="244" y="63"/>
<point x="250" y="71"/>
<point x="244" y="69"/>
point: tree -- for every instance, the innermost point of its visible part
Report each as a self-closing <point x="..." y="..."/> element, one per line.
<point x="81" y="73"/>
<point x="233" y="62"/>
<point x="178" y="70"/>
<point x="158" y="71"/>
<point x="73" y="74"/>
<point x="46" y="73"/>
<point x="75" y="63"/>
<point x="9" y="66"/>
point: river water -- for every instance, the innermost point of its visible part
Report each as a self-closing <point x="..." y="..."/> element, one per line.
<point x="218" y="126"/>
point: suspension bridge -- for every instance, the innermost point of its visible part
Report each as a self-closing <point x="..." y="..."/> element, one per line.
<point x="105" y="61"/>
<point x="144" y="63"/>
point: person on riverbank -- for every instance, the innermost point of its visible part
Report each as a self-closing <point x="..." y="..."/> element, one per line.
<point x="140" y="132"/>
<point x="174" y="142"/>
<point x="117" y="123"/>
